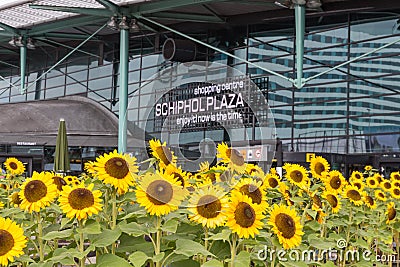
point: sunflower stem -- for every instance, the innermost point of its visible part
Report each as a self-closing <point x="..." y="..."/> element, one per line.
<point x="158" y="239"/>
<point x="205" y="242"/>
<point x="233" y="249"/>
<point x="114" y="217"/>
<point x="40" y="236"/>
<point x="81" y="243"/>
<point x="348" y="231"/>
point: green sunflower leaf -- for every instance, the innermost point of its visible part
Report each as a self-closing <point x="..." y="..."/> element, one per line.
<point x="91" y="227"/>
<point x="213" y="263"/>
<point x="190" y="248"/>
<point x="138" y="258"/>
<point x="224" y="235"/>
<point x="107" y="260"/>
<point x="106" y="238"/>
<point x="133" y="229"/>
<point x="58" y="234"/>
<point x="170" y="226"/>
<point x="242" y="259"/>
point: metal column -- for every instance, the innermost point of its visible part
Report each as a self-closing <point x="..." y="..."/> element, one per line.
<point x="123" y="90"/>
<point x="22" y="67"/>
<point x="300" y="14"/>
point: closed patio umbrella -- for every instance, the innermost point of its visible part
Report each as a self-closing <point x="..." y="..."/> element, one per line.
<point x="61" y="157"/>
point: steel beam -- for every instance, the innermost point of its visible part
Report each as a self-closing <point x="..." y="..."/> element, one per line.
<point x="152" y="7"/>
<point x="77" y="10"/>
<point x="300" y="18"/>
<point x="186" y="17"/>
<point x="109" y="5"/>
<point x="123" y="90"/>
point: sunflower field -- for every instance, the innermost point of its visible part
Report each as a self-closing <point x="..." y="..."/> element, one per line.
<point x="230" y="214"/>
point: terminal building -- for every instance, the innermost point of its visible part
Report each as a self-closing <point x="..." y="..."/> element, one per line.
<point x="328" y="69"/>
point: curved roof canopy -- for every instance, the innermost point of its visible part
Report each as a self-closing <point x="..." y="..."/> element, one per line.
<point x="36" y="122"/>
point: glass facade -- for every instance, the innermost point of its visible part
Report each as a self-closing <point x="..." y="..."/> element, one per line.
<point x="353" y="109"/>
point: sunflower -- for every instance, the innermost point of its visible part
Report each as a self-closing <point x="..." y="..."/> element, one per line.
<point x="386" y="185"/>
<point x="356" y="176"/>
<point x="162" y="153"/>
<point x="80" y="201"/>
<point x="369" y="201"/>
<point x="333" y="200"/>
<point x="316" y="201"/>
<point x="284" y="190"/>
<point x="12" y="240"/>
<point x="271" y="180"/>
<point x="318" y="165"/>
<point x="334" y="182"/>
<point x="14" y="166"/>
<point x="232" y="157"/>
<point x="254" y="170"/>
<point x="243" y="217"/>
<point x="395" y="192"/>
<point x="380" y="195"/>
<point x="372" y="182"/>
<point x="368" y="168"/>
<point x="37" y="192"/>
<point x="206" y="207"/>
<point x="396" y="183"/>
<point x="89" y="167"/>
<point x="15" y="199"/>
<point x="378" y="177"/>
<point x="298" y="175"/>
<point x="353" y="194"/>
<point x="159" y="193"/>
<point x="395" y="176"/>
<point x="390" y="212"/>
<point x="286" y="225"/>
<point x="359" y="184"/>
<point x="58" y="181"/>
<point x="181" y="176"/>
<point x="254" y="190"/>
<point x="1" y="205"/>
<point x="117" y="169"/>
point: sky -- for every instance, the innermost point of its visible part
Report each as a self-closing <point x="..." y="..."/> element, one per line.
<point x="6" y="2"/>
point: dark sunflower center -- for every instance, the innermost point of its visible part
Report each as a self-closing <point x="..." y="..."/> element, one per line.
<point x="387" y="185"/>
<point x="245" y="215"/>
<point x="357" y="175"/>
<point x="80" y="198"/>
<point x="358" y="185"/>
<point x="286" y="225"/>
<point x="272" y="182"/>
<point x="179" y="178"/>
<point x="397" y="177"/>
<point x="6" y="242"/>
<point x="391" y="213"/>
<point x="159" y="192"/>
<point x="296" y="176"/>
<point x="164" y="154"/>
<point x="369" y="200"/>
<point x="381" y="195"/>
<point x="317" y="201"/>
<point x="372" y="182"/>
<point x="15" y="198"/>
<point x="209" y="206"/>
<point x="335" y="182"/>
<point x="116" y="168"/>
<point x="235" y="156"/>
<point x="396" y="192"/>
<point x="253" y="192"/>
<point x="333" y="201"/>
<point x="319" y="168"/>
<point x="13" y="165"/>
<point x="35" y="190"/>
<point x="353" y="194"/>
<point x="59" y="182"/>
<point x="212" y="177"/>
